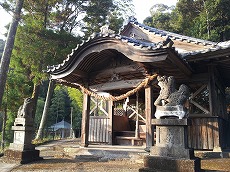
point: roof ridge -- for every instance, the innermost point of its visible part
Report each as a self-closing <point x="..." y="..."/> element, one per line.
<point x="129" y="40"/>
<point x="171" y="35"/>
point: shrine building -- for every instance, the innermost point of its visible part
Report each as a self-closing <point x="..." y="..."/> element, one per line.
<point x="117" y="75"/>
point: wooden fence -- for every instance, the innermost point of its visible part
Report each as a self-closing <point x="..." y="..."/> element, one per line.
<point x="98" y="129"/>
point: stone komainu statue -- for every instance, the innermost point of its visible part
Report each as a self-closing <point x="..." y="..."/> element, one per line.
<point x="169" y="96"/>
<point x="26" y="110"/>
<point x="167" y="85"/>
<point x="178" y="97"/>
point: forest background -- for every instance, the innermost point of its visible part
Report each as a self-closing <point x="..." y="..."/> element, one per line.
<point x="49" y="29"/>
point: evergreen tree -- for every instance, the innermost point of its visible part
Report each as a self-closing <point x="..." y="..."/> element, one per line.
<point x="205" y="19"/>
<point x="160" y="17"/>
<point x="76" y="98"/>
<point x="5" y="60"/>
<point x="60" y="106"/>
<point x="100" y="12"/>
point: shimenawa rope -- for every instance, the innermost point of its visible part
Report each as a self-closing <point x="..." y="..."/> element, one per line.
<point x="144" y="83"/>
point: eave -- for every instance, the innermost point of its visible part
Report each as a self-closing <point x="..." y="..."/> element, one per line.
<point x="80" y="66"/>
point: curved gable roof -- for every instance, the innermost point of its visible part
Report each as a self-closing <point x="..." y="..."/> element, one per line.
<point x="100" y="50"/>
<point x="133" y="49"/>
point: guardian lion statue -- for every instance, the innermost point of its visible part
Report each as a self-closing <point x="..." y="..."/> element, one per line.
<point x="170" y="101"/>
<point x="26" y="110"/>
<point x="167" y="85"/>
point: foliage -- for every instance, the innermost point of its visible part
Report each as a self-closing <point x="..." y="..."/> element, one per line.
<point x="17" y="88"/>
<point x="76" y="98"/>
<point x="60" y="106"/>
<point x="205" y="19"/>
<point x="39" y="111"/>
<point x="160" y="17"/>
<point x="36" y="47"/>
<point x="63" y="100"/>
<point x="100" y="12"/>
<point x="48" y="30"/>
<point x="44" y="140"/>
<point x="67" y="15"/>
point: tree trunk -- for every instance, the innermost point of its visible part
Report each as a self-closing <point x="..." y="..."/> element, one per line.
<point x="35" y="98"/>
<point x="45" y="110"/>
<point x="5" y="60"/>
<point x="4" y="128"/>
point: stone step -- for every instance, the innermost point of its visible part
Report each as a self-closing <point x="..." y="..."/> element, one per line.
<point x="132" y="141"/>
<point x="87" y="158"/>
<point x="211" y="154"/>
<point x="98" y="154"/>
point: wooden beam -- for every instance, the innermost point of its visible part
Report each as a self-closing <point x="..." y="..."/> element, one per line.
<point x="118" y="70"/>
<point x="123" y="84"/>
<point x="148" y="113"/>
<point x="180" y="63"/>
<point x="202" y="77"/>
<point x="79" y="73"/>
<point x="198" y="91"/>
<point x="199" y="106"/>
<point x="209" y="55"/>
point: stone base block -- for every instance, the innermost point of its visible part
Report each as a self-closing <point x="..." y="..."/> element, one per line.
<point x="173" y="152"/>
<point x="165" y="164"/>
<point x="22" y="157"/>
<point x="21" y="147"/>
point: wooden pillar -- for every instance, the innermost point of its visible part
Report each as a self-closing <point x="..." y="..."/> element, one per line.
<point x="85" y="121"/>
<point x="110" y="124"/>
<point x="218" y="135"/>
<point x="212" y="87"/>
<point x="148" y="112"/>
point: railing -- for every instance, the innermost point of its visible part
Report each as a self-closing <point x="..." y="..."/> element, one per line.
<point x="98" y="132"/>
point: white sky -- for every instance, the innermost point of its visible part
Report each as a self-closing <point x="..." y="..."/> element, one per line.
<point x="141" y="9"/>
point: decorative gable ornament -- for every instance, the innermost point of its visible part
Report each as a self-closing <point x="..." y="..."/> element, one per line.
<point x="105" y="30"/>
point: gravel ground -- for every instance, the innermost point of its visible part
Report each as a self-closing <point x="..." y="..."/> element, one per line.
<point x="55" y="159"/>
<point x="68" y="165"/>
<point x="58" y="160"/>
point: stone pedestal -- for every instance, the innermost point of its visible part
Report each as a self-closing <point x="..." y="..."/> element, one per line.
<point x="171" y="152"/>
<point x="168" y="111"/>
<point x="22" y="150"/>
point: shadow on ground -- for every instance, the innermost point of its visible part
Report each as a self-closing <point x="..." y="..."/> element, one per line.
<point x="61" y="156"/>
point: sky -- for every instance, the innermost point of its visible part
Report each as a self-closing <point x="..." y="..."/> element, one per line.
<point x="142" y="8"/>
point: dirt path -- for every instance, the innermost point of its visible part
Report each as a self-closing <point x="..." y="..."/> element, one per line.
<point x="56" y="159"/>
<point x="59" y="156"/>
<point x="68" y="165"/>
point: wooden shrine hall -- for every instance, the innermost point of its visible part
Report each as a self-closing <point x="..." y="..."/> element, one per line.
<point x="117" y="75"/>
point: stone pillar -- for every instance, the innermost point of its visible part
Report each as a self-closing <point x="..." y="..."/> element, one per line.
<point x="171" y="138"/>
<point x="22" y="150"/>
<point x="171" y="152"/>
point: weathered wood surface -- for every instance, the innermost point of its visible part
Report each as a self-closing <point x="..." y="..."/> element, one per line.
<point x="117" y="85"/>
<point x="110" y="122"/>
<point x="98" y="132"/>
<point x="206" y="133"/>
<point x="149" y="112"/>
